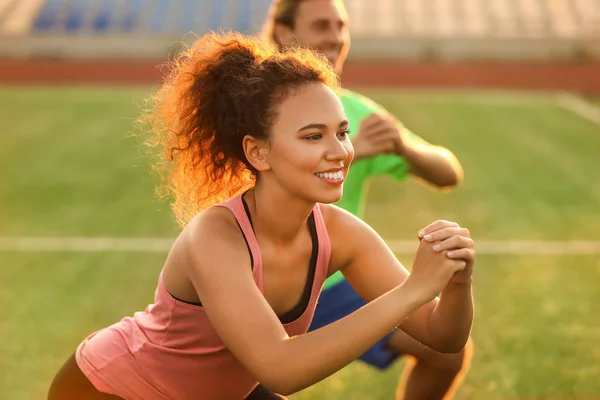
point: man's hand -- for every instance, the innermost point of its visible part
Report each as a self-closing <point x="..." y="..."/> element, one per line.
<point x="382" y="133"/>
<point x="378" y="134"/>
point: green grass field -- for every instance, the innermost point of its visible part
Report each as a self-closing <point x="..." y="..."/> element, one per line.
<point x="532" y="172"/>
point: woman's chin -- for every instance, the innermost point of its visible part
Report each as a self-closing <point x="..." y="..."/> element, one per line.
<point x="332" y="197"/>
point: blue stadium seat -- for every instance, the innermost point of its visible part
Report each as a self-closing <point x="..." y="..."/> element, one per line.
<point x="47" y="17"/>
<point x="159" y="19"/>
<point x="188" y="20"/>
<point x="215" y="18"/>
<point x="103" y="18"/>
<point x="259" y="9"/>
<point x="132" y="12"/>
<point x="76" y="15"/>
<point x="238" y="15"/>
<point x="244" y="15"/>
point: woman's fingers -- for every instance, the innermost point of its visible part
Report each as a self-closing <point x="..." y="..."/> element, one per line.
<point x="446" y="233"/>
<point x="466" y="254"/>
<point x="436" y="226"/>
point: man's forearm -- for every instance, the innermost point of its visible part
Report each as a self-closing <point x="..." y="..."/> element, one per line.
<point x="433" y="164"/>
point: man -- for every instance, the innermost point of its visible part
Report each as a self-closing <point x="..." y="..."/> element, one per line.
<point x="382" y="146"/>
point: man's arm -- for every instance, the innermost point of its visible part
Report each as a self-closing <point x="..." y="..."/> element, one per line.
<point x="433" y="164"/>
<point x="381" y="133"/>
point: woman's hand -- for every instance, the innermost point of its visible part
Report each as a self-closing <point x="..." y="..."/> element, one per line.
<point x="445" y="254"/>
<point x="455" y="242"/>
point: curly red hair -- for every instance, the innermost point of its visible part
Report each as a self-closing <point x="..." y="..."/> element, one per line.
<point x="223" y="87"/>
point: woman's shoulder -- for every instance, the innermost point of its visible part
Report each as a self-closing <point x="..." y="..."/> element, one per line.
<point x="216" y="220"/>
<point x="209" y="229"/>
<point x="340" y="224"/>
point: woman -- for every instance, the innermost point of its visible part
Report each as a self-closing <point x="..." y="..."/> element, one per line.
<point x="256" y="149"/>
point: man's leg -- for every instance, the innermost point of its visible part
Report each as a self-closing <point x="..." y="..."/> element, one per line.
<point x="429" y="374"/>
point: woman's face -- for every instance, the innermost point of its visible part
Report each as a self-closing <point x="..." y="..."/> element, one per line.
<point x="309" y="151"/>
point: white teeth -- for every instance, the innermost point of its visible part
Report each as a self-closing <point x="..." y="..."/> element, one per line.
<point x="331" y="175"/>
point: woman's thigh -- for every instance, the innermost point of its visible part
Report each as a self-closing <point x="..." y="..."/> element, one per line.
<point x="71" y="384"/>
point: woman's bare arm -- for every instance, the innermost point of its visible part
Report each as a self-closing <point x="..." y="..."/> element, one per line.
<point x="219" y="268"/>
<point x="372" y="269"/>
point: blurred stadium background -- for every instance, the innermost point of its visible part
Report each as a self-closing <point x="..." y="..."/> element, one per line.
<point x="512" y="87"/>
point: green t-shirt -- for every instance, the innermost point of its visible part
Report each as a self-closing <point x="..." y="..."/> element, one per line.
<point x="358" y="107"/>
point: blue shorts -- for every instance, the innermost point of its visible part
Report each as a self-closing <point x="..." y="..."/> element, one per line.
<point x="340" y="300"/>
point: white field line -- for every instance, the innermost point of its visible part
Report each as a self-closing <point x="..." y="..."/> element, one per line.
<point x="513" y="247"/>
<point x="579" y="106"/>
<point x="162" y="245"/>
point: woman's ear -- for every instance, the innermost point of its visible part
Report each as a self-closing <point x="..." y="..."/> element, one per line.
<point x="256" y="151"/>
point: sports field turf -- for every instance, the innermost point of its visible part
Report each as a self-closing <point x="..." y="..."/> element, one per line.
<point x="532" y="173"/>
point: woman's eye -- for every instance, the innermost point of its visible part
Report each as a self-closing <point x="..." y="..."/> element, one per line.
<point x="316" y="136"/>
<point x="343" y="134"/>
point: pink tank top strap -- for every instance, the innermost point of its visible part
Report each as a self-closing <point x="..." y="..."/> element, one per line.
<point x="236" y="205"/>
<point x="324" y="248"/>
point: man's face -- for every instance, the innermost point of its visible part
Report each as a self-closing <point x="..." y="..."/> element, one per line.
<point x="323" y="26"/>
